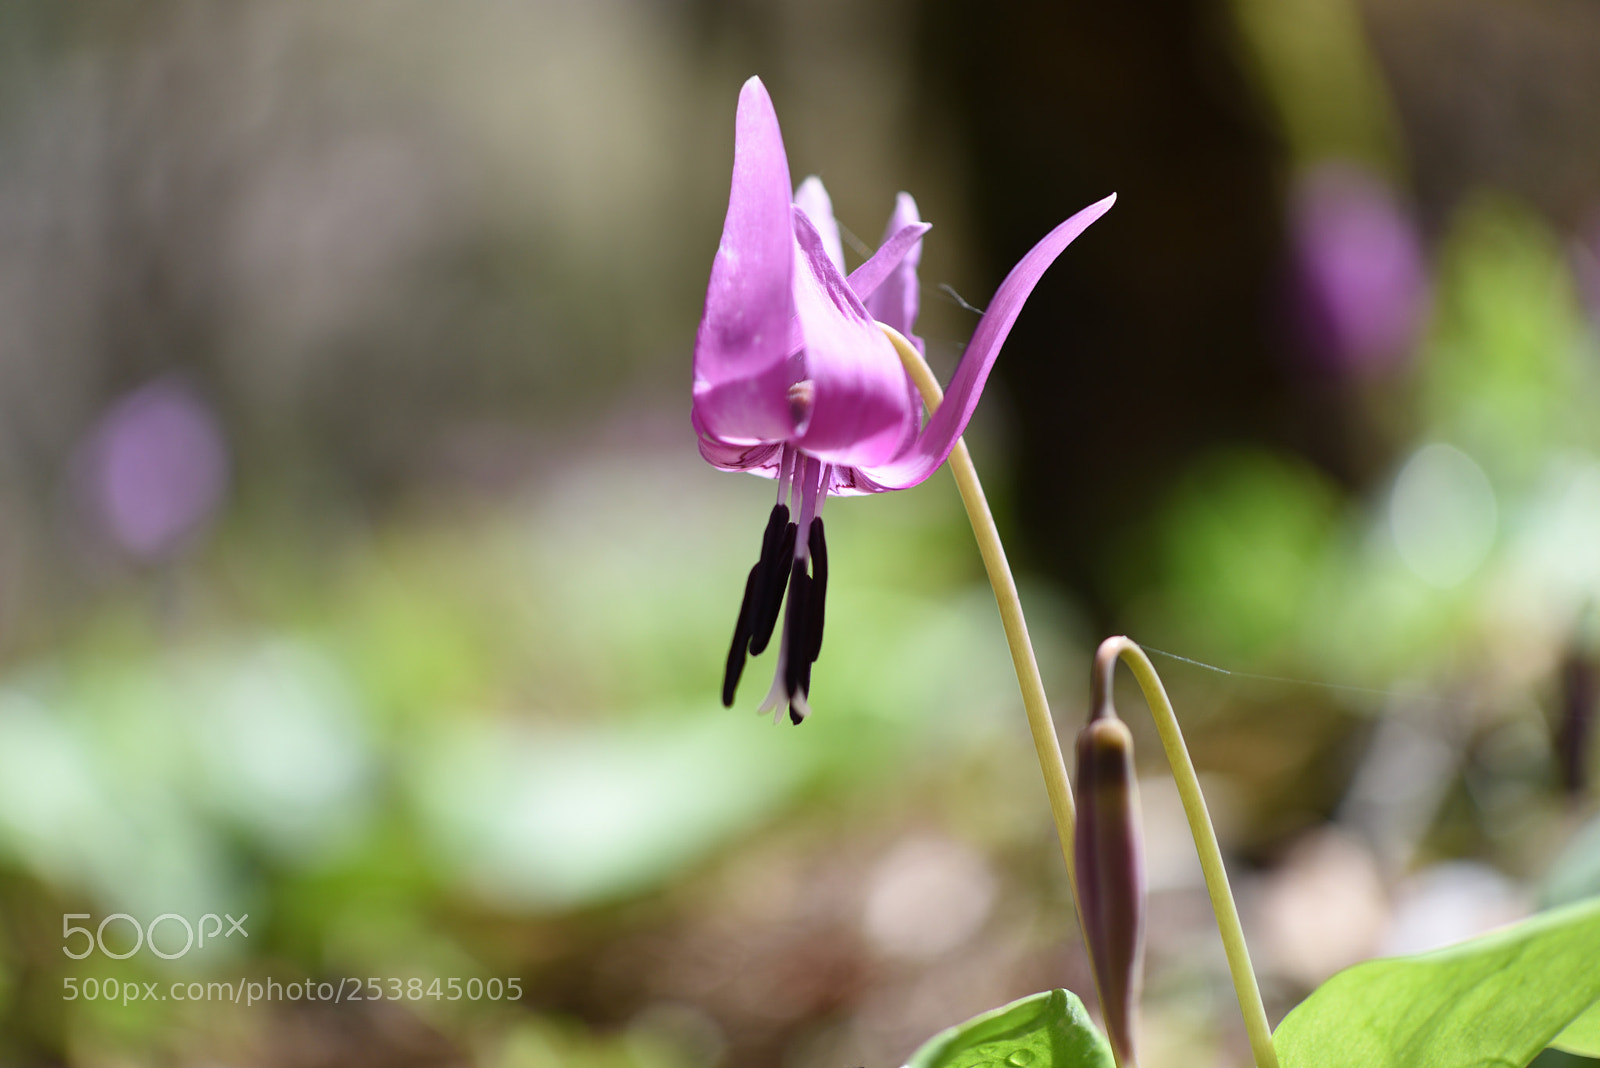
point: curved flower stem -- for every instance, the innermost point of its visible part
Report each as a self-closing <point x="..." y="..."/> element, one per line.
<point x="1205" y="836"/>
<point x="1005" y="594"/>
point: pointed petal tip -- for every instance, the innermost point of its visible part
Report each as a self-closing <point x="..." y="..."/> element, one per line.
<point x="755" y="104"/>
<point x="1083" y="218"/>
<point x="900" y="247"/>
<point x="904" y="214"/>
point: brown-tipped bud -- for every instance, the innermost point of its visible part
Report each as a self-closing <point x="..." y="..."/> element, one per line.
<point x="1110" y="861"/>
<point x="1580" y="695"/>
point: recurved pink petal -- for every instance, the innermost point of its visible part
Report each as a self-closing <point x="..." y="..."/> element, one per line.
<point x="812" y="198"/>
<point x="886" y="269"/>
<point x="887" y="284"/>
<point x="946" y="425"/>
<point x="895" y="302"/>
<point x="854" y="385"/>
<point x="741" y="372"/>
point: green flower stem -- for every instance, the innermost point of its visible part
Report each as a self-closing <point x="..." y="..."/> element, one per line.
<point x="1205" y="836"/>
<point x="1045" y="742"/>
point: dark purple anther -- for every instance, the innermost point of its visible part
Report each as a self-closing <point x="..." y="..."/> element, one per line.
<point x="819" y="589"/>
<point x="763" y="596"/>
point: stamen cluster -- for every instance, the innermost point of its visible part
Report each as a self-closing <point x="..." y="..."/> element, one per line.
<point x="782" y="567"/>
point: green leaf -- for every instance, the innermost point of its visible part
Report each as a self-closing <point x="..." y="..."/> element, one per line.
<point x="1496" y="1000"/>
<point x="1046" y="1030"/>
<point x="1582" y="1035"/>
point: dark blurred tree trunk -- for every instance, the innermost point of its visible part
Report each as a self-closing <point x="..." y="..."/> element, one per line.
<point x="1149" y="339"/>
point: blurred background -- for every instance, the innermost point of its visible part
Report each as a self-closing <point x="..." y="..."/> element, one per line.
<point x="358" y="572"/>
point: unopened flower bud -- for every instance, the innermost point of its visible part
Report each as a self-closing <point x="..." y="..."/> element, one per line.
<point x="1110" y="863"/>
<point x="1580" y="693"/>
<point x="1580" y="698"/>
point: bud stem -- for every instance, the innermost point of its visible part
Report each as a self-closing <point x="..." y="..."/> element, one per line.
<point x="1048" y="746"/>
<point x="1034" y="701"/>
<point x="1205" y="836"/>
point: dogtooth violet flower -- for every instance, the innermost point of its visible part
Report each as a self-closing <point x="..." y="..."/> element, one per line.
<point x="795" y="380"/>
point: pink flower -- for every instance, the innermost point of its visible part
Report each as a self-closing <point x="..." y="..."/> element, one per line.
<point x="795" y="380"/>
<point x="157" y="468"/>
<point x="1362" y="276"/>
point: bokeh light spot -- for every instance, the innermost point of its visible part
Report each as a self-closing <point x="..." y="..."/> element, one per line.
<point x="1443" y="515"/>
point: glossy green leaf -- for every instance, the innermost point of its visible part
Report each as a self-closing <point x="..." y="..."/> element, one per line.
<point x="1045" y="1030"/>
<point x="1582" y="1035"/>
<point x="1495" y="1000"/>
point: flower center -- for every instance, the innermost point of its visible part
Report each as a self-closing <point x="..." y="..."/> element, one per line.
<point x="802" y="395"/>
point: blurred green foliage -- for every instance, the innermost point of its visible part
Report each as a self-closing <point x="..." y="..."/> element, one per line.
<point x="514" y="715"/>
<point x="1262" y="560"/>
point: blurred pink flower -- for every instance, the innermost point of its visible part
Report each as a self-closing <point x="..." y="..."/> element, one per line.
<point x="157" y="468"/>
<point x="794" y="380"/>
<point x="1361" y="277"/>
